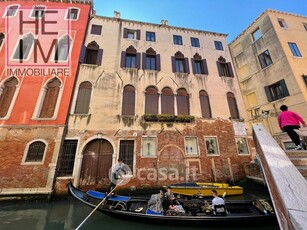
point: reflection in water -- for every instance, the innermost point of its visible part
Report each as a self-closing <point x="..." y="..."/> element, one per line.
<point x="68" y="214"/>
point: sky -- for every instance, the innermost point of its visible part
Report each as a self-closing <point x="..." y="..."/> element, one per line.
<point x="223" y="16"/>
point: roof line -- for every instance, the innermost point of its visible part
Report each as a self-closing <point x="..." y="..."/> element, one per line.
<point x="161" y="25"/>
<point x="263" y="13"/>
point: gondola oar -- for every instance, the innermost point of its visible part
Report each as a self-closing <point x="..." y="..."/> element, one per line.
<point x="101" y="202"/>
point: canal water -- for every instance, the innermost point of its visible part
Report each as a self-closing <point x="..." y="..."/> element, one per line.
<point x="69" y="213"/>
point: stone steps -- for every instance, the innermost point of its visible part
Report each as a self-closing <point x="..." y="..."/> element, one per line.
<point x="299" y="159"/>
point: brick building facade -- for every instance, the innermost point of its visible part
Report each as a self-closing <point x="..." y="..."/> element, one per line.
<point x="40" y="43"/>
<point x="163" y="98"/>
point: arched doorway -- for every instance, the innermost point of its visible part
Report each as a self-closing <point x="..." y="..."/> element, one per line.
<point x="172" y="164"/>
<point x="97" y="160"/>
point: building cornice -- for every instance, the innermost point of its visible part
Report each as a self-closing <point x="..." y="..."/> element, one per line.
<point x="266" y="12"/>
<point x="90" y="2"/>
<point x="159" y="25"/>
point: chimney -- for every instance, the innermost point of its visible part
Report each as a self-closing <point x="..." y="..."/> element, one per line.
<point x="164" y="22"/>
<point x="116" y="14"/>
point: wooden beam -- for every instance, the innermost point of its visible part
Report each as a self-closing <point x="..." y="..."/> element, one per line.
<point x="287" y="186"/>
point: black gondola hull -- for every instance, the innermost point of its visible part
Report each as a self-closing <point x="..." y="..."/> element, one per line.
<point x="253" y="218"/>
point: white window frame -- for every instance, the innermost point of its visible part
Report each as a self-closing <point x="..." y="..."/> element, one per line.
<point x="217" y="146"/>
<point x="131" y="32"/>
<point x="7" y="8"/>
<point x="13" y="99"/>
<point x="196" y="144"/>
<point x="41" y="96"/>
<point x="71" y="19"/>
<point x="37" y="6"/>
<point x="155" y="147"/>
<point x="246" y="142"/>
<point x="25" y="154"/>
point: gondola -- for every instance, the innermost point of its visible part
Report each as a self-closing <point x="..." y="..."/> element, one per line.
<point x="204" y="189"/>
<point x="197" y="213"/>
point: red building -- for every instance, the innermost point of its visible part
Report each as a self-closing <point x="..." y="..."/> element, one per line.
<point x="40" y="43"/>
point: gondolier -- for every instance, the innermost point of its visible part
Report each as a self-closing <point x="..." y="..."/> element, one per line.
<point x="120" y="169"/>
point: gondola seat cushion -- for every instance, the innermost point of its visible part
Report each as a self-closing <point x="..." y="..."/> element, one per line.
<point x="150" y="212"/>
<point x="219" y="210"/>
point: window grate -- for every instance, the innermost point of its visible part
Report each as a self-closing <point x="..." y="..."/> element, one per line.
<point x="36" y="152"/>
<point x="67" y="158"/>
<point x="126" y="152"/>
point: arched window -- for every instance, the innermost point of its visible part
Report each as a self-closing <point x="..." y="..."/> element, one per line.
<point x="36" y="152"/>
<point x="50" y="98"/>
<point x="180" y="64"/>
<point x="91" y="53"/>
<point x="24" y="47"/>
<point x="199" y="65"/>
<point x="151" y="100"/>
<point x="7" y="92"/>
<point x="205" y="104"/>
<point x="84" y="97"/>
<point x="130" y="58"/>
<point x="62" y="50"/>
<point x="224" y="68"/>
<point x="183" y="104"/>
<point x="232" y="104"/>
<point x="167" y="101"/>
<point x="128" y="107"/>
<point x="151" y="60"/>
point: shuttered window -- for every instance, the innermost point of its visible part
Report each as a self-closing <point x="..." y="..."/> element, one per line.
<point x="6" y="95"/>
<point x="151" y="100"/>
<point x="50" y="99"/>
<point x="276" y="91"/>
<point x="199" y="65"/>
<point x="84" y="97"/>
<point x="167" y="101"/>
<point x="224" y="68"/>
<point x="180" y="64"/>
<point x="128" y="107"/>
<point x="126" y="152"/>
<point x="205" y="104"/>
<point x="232" y="104"/>
<point x="67" y="158"/>
<point x="130" y="58"/>
<point x="36" y="152"/>
<point x="132" y="34"/>
<point x="183" y="106"/>
<point x="151" y="60"/>
<point x="91" y="54"/>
